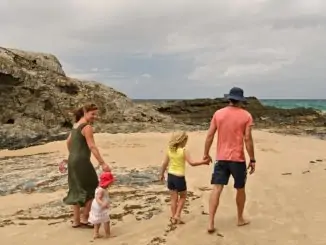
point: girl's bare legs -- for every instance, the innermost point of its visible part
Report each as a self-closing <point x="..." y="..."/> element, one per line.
<point x="86" y="210"/>
<point x="76" y="217"/>
<point x="97" y="231"/>
<point x="174" y="203"/>
<point x="107" y="229"/>
<point x="180" y="204"/>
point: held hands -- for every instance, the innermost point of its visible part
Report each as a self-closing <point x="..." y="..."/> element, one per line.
<point x="207" y="159"/>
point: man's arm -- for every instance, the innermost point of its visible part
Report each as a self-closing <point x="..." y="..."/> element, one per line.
<point x="249" y="142"/>
<point x="210" y="137"/>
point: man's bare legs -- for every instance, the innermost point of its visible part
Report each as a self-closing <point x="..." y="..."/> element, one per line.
<point x="213" y="204"/>
<point x="241" y="200"/>
<point x="182" y="197"/>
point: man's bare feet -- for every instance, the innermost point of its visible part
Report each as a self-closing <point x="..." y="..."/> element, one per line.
<point x="243" y="222"/>
<point x="211" y="230"/>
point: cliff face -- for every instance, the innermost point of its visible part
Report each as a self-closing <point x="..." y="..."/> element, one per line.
<point x="37" y="100"/>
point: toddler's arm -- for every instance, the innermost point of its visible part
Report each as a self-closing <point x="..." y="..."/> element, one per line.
<point x="99" y="199"/>
<point x="165" y="164"/>
<point x="195" y="163"/>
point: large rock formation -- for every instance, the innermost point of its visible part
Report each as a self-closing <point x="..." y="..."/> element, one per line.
<point x="37" y="100"/>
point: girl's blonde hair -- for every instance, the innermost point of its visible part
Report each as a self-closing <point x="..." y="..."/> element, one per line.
<point x="177" y="140"/>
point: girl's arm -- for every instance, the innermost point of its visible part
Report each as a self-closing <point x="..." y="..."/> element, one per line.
<point x="195" y="163"/>
<point x="99" y="199"/>
<point x="164" y="166"/>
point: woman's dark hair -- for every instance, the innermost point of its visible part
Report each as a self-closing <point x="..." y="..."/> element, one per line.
<point x="79" y="113"/>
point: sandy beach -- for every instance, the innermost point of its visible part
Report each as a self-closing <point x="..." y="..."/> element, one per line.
<point x="285" y="200"/>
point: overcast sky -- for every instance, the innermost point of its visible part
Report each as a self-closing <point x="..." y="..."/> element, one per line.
<point x="179" y="48"/>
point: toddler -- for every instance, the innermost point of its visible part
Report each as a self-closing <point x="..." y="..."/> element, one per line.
<point x="99" y="213"/>
<point x="175" y="160"/>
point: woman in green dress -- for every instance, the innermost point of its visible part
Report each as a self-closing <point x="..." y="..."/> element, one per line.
<point x="82" y="177"/>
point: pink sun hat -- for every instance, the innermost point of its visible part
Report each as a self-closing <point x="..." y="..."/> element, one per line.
<point x="106" y="179"/>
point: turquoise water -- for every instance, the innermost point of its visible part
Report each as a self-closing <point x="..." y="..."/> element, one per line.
<point x="287" y="104"/>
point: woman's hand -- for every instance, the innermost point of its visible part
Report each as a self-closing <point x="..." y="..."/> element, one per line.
<point x="105" y="167"/>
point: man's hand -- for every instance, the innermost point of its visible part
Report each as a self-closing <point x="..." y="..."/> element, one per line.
<point x="207" y="158"/>
<point x="251" y="167"/>
<point x="206" y="161"/>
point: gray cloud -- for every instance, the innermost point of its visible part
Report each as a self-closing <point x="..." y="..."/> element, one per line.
<point x="180" y="48"/>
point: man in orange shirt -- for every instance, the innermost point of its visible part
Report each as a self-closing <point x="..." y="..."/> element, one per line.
<point x="233" y="127"/>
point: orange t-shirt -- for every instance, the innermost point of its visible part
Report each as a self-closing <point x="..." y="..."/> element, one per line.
<point x="231" y="123"/>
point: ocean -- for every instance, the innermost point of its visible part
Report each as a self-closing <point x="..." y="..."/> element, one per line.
<point x="292" y="103"/>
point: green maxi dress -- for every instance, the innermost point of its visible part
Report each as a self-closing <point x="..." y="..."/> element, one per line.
<point x="82" y="177"/>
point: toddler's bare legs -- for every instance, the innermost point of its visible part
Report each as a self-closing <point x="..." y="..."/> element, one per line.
<point x="107" y="229"/>
<point x="97" y="231"/>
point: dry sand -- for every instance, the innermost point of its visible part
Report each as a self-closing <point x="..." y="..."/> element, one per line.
<point x="286" y="196"/>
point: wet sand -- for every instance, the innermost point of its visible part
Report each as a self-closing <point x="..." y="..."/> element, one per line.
<point x="285" y="196"/>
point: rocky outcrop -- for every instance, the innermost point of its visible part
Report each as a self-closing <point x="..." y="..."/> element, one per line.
<point x="37" y="100"/>
<point x="199" y="112"/>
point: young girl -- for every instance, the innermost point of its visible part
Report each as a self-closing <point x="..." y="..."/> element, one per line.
<point x="175" y="160"/>
<point x="99" y="213"/>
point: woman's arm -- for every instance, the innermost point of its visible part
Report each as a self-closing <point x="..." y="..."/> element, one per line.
<point x="165" y="164"/>
<point x="69" y="142"/>
<point x="88" y="133"/>
<point x="195" y="163"/>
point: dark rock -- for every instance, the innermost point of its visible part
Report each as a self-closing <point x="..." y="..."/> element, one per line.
<point x="200" y="111"/>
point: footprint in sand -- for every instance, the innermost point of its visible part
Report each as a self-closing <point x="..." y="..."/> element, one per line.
<point x="157" y="241"/>
<point x="204" y="188"/>
<point x="287" y="173"/>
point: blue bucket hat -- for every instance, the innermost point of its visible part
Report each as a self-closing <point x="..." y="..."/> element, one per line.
<point x="235" y="94"/>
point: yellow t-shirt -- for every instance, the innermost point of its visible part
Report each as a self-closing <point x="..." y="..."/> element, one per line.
<point x="177" y="162"/>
